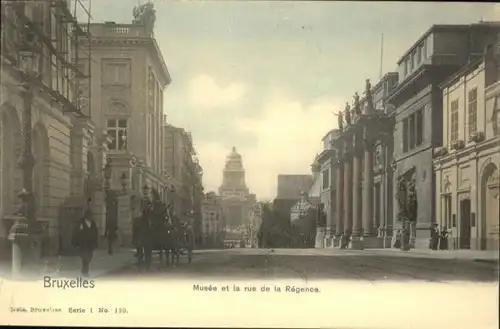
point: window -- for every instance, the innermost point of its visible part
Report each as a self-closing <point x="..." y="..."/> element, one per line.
<point x="117" y="131"/>
<point x="413" y="130"/>
<point x="454" y="120"/>
<point x="117" y="73"/>
<point x="411" y="137"/>
<point x="472" y="111"/>
<point x="326" y="179"/>
<point x="420" y="127"/>
<point x="405" y="135"/>
<point x="495" y="118"/>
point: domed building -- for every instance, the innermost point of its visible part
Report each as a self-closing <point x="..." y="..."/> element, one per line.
<point x="236" y="200"/>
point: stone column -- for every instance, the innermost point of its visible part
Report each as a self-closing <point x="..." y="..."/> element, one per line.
<point x="356" y="241"/>
<point x="348" y="188"/>
<point x="369" y="224"/>
<point x="339" y="215"/>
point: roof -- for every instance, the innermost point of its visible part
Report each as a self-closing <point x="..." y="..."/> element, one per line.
<point x="315" y="190"/>
<point x="448" y="27"/>
<point x="331" y="132"/>
<point x="471" y="66"/>
<point x="384" y="78"/>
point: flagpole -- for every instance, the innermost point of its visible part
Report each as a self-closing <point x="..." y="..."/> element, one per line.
<point x="381" y="55"/>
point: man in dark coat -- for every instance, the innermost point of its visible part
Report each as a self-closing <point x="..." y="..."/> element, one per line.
<point x="85" y="240"/>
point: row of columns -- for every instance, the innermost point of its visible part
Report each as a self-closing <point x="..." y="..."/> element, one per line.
<point x="354" y="211"/>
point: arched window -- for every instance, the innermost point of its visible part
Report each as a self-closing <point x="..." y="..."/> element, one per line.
<point x="10" y="175"/>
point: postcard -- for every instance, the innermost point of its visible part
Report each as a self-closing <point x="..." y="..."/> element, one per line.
<point x="269" y="164"/>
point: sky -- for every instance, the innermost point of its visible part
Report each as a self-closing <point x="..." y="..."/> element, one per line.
<point x="265" y="76"/>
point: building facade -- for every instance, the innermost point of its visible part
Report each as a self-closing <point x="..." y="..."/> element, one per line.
<point x="323" y="170"/>
<point x="369" y="120"/>
<point x="129" y="77"/>
<point x="184" y="175"/>
<point x="182" y="168"/>
<point x="360" y="129"/>
<point x="417" y="99"/>
<point x="42" y="115"/>
<point x="383" y="192"/>
<point x="212" y="221"/>
<point x="235" y="197"/>
<point x="467" y="163"/>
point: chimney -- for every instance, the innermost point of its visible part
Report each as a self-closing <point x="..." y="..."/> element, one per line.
<point x="491" y="64"/>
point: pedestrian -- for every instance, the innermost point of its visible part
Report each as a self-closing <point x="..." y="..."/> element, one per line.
<point x="434" y="237"/>
<point x="397" y="242"/>
<point x="85" y="241"/>
<point x="443" y="239"/>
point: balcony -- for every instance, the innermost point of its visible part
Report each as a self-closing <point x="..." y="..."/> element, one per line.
<point x="109" y="30"/>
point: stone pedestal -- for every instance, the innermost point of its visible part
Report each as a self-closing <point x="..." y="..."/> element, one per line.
<point x="356" y="243"/>
<point x="373" y="242"/>
<point x="336" y="241"/>
<point x="387" y="242"/>
<point x="26" y="248"/>
<point x="421" y="236"/>
<point x="320" y="238"/>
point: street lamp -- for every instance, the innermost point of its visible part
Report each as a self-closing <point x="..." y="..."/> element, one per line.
<point x="394" y="165"/>
<point x="26" y="232"/>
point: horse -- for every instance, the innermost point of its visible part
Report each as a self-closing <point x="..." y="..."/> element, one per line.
<point x="149" y="231"/>
<point x="188" y="241"/>
<point x="172" y="241"/>
<point x="142" y="240"/>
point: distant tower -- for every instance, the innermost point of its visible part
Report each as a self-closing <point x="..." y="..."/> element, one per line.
<point x="234" y="193"/>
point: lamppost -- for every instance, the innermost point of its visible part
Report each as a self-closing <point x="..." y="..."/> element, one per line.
<point x="394" y="165"/>
<point x="26" y="233"/>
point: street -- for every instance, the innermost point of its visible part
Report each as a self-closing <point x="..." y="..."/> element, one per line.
<point x="311" y="264"/>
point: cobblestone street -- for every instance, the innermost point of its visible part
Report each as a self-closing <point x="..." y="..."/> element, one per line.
<point x="310" y="264"/>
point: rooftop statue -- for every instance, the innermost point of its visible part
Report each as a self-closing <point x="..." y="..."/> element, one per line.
<point x="145" y="14"/>
<point x="347" y="113"/>
<point x="357" y="106"/>
<point x="340" y="120"/>
<point x="369" y="97"/>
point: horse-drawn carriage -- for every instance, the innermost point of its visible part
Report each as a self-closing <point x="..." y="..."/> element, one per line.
<point x="159" y="231"/>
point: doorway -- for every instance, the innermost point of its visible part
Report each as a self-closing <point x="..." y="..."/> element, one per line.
<point x="465" y="224"/>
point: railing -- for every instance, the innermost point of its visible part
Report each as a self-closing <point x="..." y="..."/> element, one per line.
<point x="118" y="30"/>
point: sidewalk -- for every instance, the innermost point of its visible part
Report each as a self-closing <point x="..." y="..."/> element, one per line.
<point x="490" y="256"/>
<point x="473" y="255"/>
<point x="70" y="266"/>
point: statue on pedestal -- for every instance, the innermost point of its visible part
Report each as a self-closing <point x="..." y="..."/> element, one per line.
<point x="369" y="97"/>
<point x="145" y="14"/>
<point x="357" y="107"/>
<point x="347" y="113"/>
<point x="340" y="120"/>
